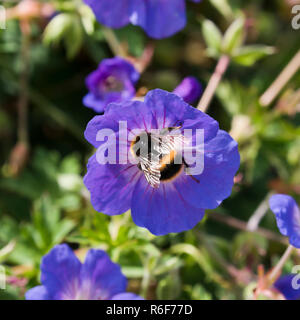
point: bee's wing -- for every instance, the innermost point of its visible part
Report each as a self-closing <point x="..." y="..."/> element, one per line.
<point x="151" y="171"/>
<point x="162" y="145"/>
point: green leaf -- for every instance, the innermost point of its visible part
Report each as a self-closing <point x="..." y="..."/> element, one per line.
<point x="87" y="19"/>
<point x="212" y="36"/>
<point x="74" y="38"/>
<point x="66" y="27"/>
<point x="248" y="55"/>
<point x="223" y="7"/>
<point x="57" y="27"/>
<point x="234" y="37"/>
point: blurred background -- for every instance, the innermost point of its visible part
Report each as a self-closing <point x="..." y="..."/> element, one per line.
<point x="46" y="51"/>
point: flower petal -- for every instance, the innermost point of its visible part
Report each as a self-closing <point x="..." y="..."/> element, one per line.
<point x="284" y="285"/>
<point x="169" y="110"/>
<point x="114" y="16"/>
<point x="110" y="185"/>
<point x="159" y="18"/>
<point x="287" y="215"/>
<point x="38" y="293"/>
<point x="92" y="102"/>
<point x="134" y="113"/>
<point x="100" y="277"/>
<point x="189" y="89"/>
<point x="162" y="210"/>
<point x="127" y="296"/>
<point x="214" y="184"/>
<point x="60" y="273"/>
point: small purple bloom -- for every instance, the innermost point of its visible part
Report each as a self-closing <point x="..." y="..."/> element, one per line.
<point x="64" y="277"/>
<point x="159" y="18"/>
<point x="189" y="89"/>
<point x="287" y="215"/>
<point x="285" y="286"/>
<point x="113" y="81"/>
<point x="163" y="197"/>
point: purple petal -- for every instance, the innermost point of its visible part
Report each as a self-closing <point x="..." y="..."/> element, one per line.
<point x="159" y="18"/>
<point x="92" y="102"/>
<point x="60" y="273"/>
<point x="100" y="277"/>
<point x="189" y="89"/>
<point x="114" y="16"/>
<point x="163" y="210"/>
<point x="111" y="186"/>
<point x="285" y="285"/>
<point x="127" y="296"/>
<point x="214" y="184"/>
<point x="287" y="215"/>
<point x="169" y="110"/>
<point x="135" y="113"/>
<point x="38" y="293"/>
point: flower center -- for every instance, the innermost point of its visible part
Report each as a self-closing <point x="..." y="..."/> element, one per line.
<point x="158" y="156"/>
<point x="111" y="84"/>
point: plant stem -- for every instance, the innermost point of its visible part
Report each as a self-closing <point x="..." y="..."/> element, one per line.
<point x="145" y="282"/>
<point x="242" y="225"/>
<point x="258" y="214"/>
<point x="213" y="83"/>
<point x="281" y="81"/>
<point x="276" y="271"/>
<point x="23" y="88"/>
<point x="113" y="42"/>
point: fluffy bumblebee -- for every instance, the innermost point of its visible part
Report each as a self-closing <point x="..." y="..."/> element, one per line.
<point x="159" y="154"/>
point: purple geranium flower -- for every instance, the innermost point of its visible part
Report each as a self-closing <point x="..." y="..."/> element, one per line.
<point x="287" y="215"/>
<point x="64" y="277"/>
<point x="159" y="18"/>
<point x="189" y="89"/>
<point x="113" y="81"/>
<point x="163" y="196"/>
<point x="285" y="286"/>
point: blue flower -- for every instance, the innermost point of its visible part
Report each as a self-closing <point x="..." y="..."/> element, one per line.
<point x="189" y="89"/>
<point x="113" y="81"/>
<point x="159" y="18"/>
<point x="164" y="196"/>
<point x="287" y="215"/>
<point x="285" y="286"/>
<point x="64" y="277"/>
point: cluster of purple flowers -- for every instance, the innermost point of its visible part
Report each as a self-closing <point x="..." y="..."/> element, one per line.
<point x="115" y="80"/>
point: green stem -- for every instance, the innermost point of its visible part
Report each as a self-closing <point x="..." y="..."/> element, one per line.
<point x="145" y="281"/>
<point x="23" y="90"/>
<point x="242" y="225"/>
<point x="276" y="271"/>
<point x="213" y="83"/>
<point x="113" y="42"/>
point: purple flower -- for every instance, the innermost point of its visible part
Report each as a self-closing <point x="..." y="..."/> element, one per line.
<point x="287" y="215"/>
<point x="159" y="18"/>
<point x="64" y="277"/>
<point x="285" y="286"/>
<point x="164" y="196"/>
<point x="113" y="81"/>
<point x="189" y="89"/>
